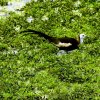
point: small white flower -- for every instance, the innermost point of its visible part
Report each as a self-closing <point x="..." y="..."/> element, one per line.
<point x="77" y="12"/>
<point x="30" y="19"/>
<point x="44" y="18"/>
<point x="17" y="28"/>
<point x="15" y="51"/>
<point x="72" y="20"/>
<point x="77" y="3"/>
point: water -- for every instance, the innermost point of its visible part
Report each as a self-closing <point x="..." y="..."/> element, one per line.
<point x="13" y="6"/>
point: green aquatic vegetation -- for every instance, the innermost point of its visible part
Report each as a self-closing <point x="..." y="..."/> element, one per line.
<point x="29" y="65"/>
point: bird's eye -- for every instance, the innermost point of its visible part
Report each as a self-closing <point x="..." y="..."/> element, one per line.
<point x="83" y="35"/>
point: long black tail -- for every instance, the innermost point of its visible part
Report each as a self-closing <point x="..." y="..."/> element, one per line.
<point x="49" y="38"/>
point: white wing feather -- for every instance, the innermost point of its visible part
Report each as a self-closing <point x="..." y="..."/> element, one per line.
<point x="63" y="44"/>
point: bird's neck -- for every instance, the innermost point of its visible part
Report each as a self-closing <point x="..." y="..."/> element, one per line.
<point x="80" y="40"/>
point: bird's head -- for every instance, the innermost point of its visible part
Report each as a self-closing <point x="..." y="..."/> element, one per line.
<point x="82" y="36"/>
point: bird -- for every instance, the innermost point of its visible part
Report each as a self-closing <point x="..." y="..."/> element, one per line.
<point x="63" y="43"/>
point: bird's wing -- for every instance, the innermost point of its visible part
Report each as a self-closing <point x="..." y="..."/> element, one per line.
<point x="60" y="44"/>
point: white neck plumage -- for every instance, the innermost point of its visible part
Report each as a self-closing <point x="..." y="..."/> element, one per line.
<point x="81" y="38"/>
